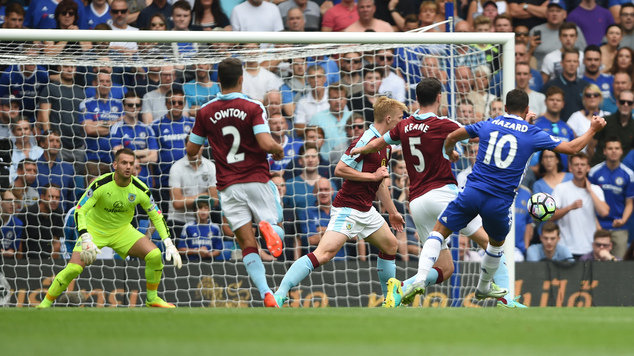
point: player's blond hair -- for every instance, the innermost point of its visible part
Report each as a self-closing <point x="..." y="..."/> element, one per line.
<point x="384" y="106"/>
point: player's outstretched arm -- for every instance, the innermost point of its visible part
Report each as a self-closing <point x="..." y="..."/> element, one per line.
<point x="396" y="219"/>
<point x="268" y="144"/>
<point x="373" y="146"/>
<point x="576" y="145"/>
<point x="346" y="172"/>
<point x="451" y="141"/>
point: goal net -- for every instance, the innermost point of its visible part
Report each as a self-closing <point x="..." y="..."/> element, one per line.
<point x="69" y="99"/>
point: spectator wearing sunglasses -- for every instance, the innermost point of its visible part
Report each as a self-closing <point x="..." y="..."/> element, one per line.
<point x="134" y="134"/>
<point x="619" y="124"/>
<point x="601" y="248"/>
<point x="119" y="11"/>
<point x="592" y="99"/>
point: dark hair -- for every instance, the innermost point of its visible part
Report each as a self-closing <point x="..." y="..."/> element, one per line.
<point x="555" y="90"/>
<point x="516" y="101"/>
<point x="15" y="8"/>
<point x="568" y="26"/>
<point x="199" y="12"/>
<point x="229" y="71"/>
<point x="370" y="68"/>
<point x="581" y="155"/>
<point x="503" y="16"/>
<point x="131" y="94"/>
<point x="307" y="146"/>
<point x="183" y="5"/>
<point x="159" y="15"/>
<point x="411" y="18"/>
<point x="174" y="91"/>
<point x="602" y="233"/>
<point x="592" y="48"/>
<point x="560" y="164"/>
<point x="615" y="69"/>
<point x="427" y="91"/>
<point x="63" y="6"/>
<point x="570" y="51"/>
<point x="613" y="138"/>
<point x="550" y="226"/>
<point x="24" y="162"/>
<point x="124" y="151"/>
<point x="45" y="189"/>
<point x="623" y="6"/>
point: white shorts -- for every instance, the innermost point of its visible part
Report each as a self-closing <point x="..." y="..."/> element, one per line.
<point x="427" y="208"/>
<point x="244" y="203"/>
<point x="355" y="223"/>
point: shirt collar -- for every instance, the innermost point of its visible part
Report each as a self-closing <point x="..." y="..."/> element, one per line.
<point x="374" y="131"/>
<point x="424" y="116"/>
<point x="231" y="96"/>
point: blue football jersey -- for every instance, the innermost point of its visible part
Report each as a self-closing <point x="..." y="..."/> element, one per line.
<point x="98" y="148"/>
<point x="617" y="185"/>
<point x="11" y="234"/>
<point x="506" y="144"/>
<point x="171" y="139"/>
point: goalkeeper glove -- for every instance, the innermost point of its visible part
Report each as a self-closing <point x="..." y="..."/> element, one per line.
<point x="89" y="250"/>
<point x="171" y="251"/>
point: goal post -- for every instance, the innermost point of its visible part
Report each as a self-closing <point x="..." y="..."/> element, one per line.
<point x="224" y="281"/>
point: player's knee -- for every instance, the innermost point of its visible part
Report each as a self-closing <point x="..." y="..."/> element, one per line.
<point x="154" y="258"/>
<point x="391" y="246"/>
<point x="324" y="257"/>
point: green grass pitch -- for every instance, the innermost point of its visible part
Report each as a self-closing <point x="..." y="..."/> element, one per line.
<point x="324" y="332"/>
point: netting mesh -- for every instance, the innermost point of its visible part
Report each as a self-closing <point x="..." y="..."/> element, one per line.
<point x="66" y="107"/>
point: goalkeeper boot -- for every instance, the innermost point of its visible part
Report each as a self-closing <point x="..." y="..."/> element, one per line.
<point x="270" y="301"/>
<point x="493" y="292"/>
<point x="273" y="241"/>
<point x="514" y="303"/>
<point x="159" y="303"/>
<point x="411" y="291"/>
<point x="394" y="294"/>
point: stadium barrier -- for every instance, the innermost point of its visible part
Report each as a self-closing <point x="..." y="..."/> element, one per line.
<point x="115" y="283"/>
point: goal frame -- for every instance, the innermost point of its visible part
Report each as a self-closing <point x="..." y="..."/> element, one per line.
<point x="507" y="40"/>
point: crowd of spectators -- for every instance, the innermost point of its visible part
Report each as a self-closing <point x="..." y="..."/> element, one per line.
<point x="61" y="124"/>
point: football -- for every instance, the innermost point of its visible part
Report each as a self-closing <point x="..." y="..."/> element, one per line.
<point x="541" y="206"/>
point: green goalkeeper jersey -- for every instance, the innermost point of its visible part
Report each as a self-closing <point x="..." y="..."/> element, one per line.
<point x="106" y="206"/>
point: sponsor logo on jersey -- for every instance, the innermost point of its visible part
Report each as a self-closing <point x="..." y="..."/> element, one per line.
<point x="117" y="207"/>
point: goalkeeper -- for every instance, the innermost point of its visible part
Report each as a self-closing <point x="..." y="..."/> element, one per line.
<point x="103" y="218"/>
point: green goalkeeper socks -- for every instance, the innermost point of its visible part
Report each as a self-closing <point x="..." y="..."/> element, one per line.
<point x="153" y="272"/>
<point x="61" y="282"/>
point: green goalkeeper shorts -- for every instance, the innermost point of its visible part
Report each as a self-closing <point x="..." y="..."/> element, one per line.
<point x="121" y="241"/>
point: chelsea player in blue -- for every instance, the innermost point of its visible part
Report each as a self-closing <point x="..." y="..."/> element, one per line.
<point x="506" y="144"/>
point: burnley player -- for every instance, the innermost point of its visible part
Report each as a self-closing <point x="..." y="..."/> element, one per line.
<point x="103" y="218"/>
<point x="237" y="130"/>
<point x="422" y="136"/>
<point x="506" y="144"/>
<point x="352" y="214"/>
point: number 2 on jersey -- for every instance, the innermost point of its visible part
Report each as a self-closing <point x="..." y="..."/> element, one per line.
<point x="233" y="156"/>
<point x="495" y="149"/>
